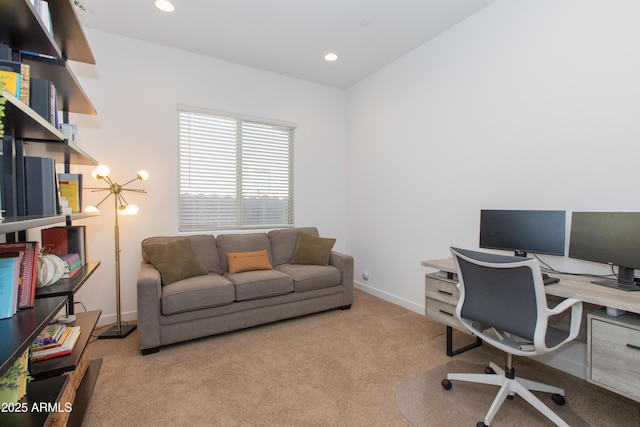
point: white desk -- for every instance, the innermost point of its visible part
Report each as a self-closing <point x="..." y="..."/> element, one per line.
<point x="570" y="286"/>
<point x="613" y="358"/>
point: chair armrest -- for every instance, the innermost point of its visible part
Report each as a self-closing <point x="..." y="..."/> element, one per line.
<point x="344" y="262"/>
<point x="149" y="287"/>
<point x="576" y="315"/>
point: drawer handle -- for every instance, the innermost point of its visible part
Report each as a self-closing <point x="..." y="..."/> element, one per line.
<point x="445" y="292"/>
<point x="451" y="315"/>
<point x="635" y="347"/>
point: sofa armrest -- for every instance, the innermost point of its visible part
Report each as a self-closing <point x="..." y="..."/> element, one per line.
<point x="149" y="288"/>
<point x="344" y="262"/>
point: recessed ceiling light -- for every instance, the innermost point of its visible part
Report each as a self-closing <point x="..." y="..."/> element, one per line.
<point x="165" y="5"/>
<point x="330" y="57"/>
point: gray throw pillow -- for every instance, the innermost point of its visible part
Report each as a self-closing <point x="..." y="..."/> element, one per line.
<point x="175" y="260"/>
<point x="312" y="250"/>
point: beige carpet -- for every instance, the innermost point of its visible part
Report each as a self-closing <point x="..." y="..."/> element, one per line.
<point x="338" y="368"/>
<point x="421" y="400"/>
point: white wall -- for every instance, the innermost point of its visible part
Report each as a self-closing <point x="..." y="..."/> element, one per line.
<point x="531" y="104"/>
<point x="135" y="87"/>
<point x="528" y="105"/>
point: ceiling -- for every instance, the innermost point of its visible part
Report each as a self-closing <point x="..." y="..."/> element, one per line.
<point x="288" y="37"/>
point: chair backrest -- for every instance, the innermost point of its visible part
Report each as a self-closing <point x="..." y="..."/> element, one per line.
<point x="499" y="290"/>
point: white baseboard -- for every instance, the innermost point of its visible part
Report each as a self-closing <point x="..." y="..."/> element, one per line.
<point x="110" y="319"/>
<point x="409" y="305"/>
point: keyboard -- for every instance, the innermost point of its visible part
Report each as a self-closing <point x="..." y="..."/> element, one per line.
<point x="549" y="280"/>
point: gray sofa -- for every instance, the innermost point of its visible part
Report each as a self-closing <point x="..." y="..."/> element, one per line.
<point x="216" y="301"/>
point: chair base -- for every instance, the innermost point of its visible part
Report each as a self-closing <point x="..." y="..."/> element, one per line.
<point x="510" y="387"/>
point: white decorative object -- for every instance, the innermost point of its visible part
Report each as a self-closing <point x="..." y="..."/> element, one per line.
<point x="50" y="269"/>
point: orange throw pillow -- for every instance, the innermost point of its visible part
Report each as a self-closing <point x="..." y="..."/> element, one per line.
<point x="248" y="261"/>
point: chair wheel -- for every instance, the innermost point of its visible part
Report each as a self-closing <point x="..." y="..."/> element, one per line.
<point x="558" y="399"/>
<point x="481" y="424"/>
<point x="489" y="370"/>
<point x="446" y="384"/>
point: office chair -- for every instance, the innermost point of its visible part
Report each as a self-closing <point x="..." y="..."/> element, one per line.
<point x="502" y="301"/>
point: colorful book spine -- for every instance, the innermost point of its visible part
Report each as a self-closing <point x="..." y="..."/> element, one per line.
<point x="50" y="334"/>
<point x="58" y="343"/>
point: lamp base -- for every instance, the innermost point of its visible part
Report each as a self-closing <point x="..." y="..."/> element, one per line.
<point x="69" y="318"/>
<point x="113" y="332"/>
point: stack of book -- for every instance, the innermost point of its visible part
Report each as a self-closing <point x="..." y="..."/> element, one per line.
<point x="55" y="340"/>
<point x="72" y="264"/>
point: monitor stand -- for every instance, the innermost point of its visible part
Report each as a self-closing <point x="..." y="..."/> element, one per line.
<point x="610" y="283"/>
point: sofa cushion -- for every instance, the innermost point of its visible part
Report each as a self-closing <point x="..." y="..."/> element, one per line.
<point x="283" y="243"/>
<point x="260" y="284"/>
<point x="228" y="243"/>
<point x="248" y="261"/>
<point x="204" y="245"/>
<point x="175" y="260"/>
<point x="312" y="250"/>
<point x="196" y="293"/>
<point x="311" y="277"/>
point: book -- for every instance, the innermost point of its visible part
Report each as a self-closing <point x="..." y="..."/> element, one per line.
<point x="16" y="79"/>
<point x="43" y="99"/>
<point x="64" y="331"/>
<point x="13" y="384"/>
<point x="71" y="259"/>
<point x="65" y="240"/>
<point x="9" y="276"/>
<point x="50" y="334"/>
<point x="24" y="374"/>
<point x="42" y="8"/>
<point x="71" y="272"/>
<point x="72" y="265"/>
<point x="69" y="132"/>
<point x="28" y="270"/>
<point x="5" y="51"/>
<point x="70" y="186"/>
<point x="64" y="349"/>
<point x="40" y="180"/>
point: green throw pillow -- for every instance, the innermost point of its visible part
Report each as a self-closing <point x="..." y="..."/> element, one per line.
<point x="175" y="260"/>
<point x="312" y="250"/>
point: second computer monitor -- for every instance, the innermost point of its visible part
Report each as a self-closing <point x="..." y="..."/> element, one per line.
<point x="608" y="238"/>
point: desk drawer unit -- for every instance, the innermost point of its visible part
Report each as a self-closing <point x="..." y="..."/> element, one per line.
<point x="441" y="299"/>
<point x="613" y="357"/>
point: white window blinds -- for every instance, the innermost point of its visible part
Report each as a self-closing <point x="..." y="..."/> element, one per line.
<point x="234" y="172"/>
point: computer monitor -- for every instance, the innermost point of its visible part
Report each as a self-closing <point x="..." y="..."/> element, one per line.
<point x="522" y="231"/>
<point x="609" y="238"/>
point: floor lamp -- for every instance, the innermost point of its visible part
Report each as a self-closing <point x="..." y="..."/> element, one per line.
<point x="122" y="207"/>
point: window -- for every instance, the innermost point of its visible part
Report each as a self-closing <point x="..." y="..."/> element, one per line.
<point x="235" y="172"/>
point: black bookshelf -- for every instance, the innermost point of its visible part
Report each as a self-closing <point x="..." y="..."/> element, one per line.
<point x="26" y="133"/>
<point x="84" y="393"/>
<point x="68" y="287"/>
<point x="19" y="331"/>
<point x="47" y="392"/>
